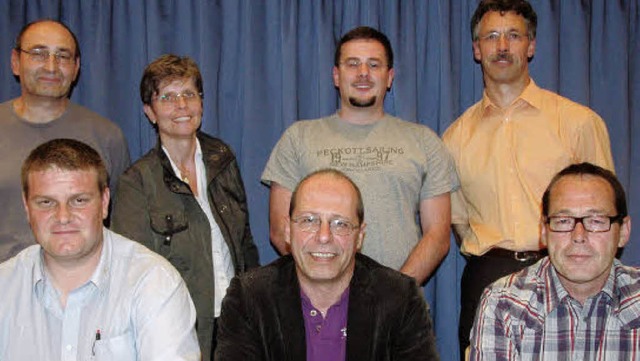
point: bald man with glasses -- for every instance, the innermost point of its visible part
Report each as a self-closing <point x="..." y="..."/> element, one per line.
<point x="46" y="61"/>
<point x="325" y="301"/>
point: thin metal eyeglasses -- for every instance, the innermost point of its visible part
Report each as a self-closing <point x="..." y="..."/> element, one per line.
<point x="174" y="98"/>
<point x="510" y="36"/>
<point x="43" y="55"/>
<point x="311" y="224"/>
<point x="590" y="223"/>
<point x="354" y="64"/>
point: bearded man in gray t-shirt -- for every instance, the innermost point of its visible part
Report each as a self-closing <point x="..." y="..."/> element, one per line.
<point x="402" y="168"/>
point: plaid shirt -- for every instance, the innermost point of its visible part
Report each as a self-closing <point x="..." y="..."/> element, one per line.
<point x="529" y="316"/>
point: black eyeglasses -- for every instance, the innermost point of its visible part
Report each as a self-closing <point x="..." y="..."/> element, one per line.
<point x="43" y="55"/>
<point x="595" y="223"/>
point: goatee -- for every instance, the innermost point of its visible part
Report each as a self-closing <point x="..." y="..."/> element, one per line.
<point x="362" y="103"/>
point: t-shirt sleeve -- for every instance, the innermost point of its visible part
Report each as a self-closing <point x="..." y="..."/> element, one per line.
<point x="283" y="166"/>
<point x="440" y="174"/>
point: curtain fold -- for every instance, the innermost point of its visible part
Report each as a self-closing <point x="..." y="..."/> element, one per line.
<point x="267" y="64"/>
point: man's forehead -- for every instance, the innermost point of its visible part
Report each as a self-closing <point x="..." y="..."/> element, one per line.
<point x="582" y="189"/>
<point x="49" y="34"/>
<point x="509" y="19"/>
<point x="368" y="47"/>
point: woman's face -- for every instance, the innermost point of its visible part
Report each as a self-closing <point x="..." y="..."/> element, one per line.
<point x="176" y="109"/>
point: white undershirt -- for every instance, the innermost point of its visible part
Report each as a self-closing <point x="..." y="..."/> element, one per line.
<point x="222" y="266"/>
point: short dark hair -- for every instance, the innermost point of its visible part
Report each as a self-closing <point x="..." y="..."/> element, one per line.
<point x="582" y="169"/>
<point x="166" y="68"/>
<point x="365" y="33"/>
<point x="336" y="174"/>
<point x="520" y="7"/>
<point x="64" y="154"/>
<point x="18" y="43"/>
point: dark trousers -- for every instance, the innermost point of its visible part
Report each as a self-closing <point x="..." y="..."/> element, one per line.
<point x="477" y="275"/>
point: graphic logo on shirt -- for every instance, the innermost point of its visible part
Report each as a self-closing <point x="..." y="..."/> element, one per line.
<point x="360" y="158"/>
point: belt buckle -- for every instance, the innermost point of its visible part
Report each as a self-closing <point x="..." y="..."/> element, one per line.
<point x="522" y="256"/>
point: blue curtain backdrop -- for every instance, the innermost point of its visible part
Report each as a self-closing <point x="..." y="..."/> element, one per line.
<point x="267" y="63"/>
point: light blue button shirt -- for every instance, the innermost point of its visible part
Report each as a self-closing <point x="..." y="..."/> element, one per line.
<point x="134" y="307"/>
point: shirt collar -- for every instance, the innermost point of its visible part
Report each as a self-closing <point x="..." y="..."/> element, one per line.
<point x="557" y="293"/>
<point x="99" y="277"/>
<point x="532" y="95"/>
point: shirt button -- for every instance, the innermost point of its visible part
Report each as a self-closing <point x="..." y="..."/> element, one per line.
<point x="313" y="313"/>
<point x="318" y="328"/>
<point x="69" y="347"/>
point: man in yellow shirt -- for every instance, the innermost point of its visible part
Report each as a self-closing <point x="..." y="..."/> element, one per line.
<point x="507" y="147"/>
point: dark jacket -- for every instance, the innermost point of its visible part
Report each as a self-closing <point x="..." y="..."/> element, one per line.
<point x="156" y="208"/>
<point x="262" y="318"/>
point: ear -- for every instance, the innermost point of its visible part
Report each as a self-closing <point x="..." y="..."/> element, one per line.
<point x="361" y="234"/>
<point x="76" y="71"/>
<point x="392" y="73"/>
<point x="625" y="231"/>
<point x="543" y="232"/>
<point x="287" y="231"/>
<point x="477" y="55"/>
<point x="336" y="77"/>
<point x="15" y="62"/>
<point x="106" y="196"/>
<point x="26" y="206"/>
<point x="148" y="111"/>
<point x="531" y="49"/>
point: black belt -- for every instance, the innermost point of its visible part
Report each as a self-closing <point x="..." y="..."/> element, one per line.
<point x="522" y="256"/>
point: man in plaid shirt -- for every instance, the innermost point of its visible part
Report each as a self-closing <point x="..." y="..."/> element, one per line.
<point x="579" y="303"/>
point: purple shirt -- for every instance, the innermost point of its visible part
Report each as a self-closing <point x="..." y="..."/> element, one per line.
<point x="326" y="338"/>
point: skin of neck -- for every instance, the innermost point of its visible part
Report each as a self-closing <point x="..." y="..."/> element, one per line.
<point x="582" y="292"/>
<point x="356" y="115"/>
<point x="35" y="109"/>
<point x="182" y="150"/>
<point x="326" y="294"/>
<point x="67" y="276"/>
<point x="503" y="94"/>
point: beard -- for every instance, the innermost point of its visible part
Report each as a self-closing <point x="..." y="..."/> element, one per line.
<point x="362" y="103"/>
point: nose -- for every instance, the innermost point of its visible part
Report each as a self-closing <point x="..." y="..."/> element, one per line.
<point x="363" y="69"/>
<point x="503" y="42"/>
<point x="51" y="63"/>
<point x="63" y="214"/>
<point x="579" y="233"/>
<point x="181" y="102"/>
<point x="324" y="233"/>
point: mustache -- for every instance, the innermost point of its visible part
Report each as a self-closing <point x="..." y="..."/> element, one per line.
<point x="502" y="56"/>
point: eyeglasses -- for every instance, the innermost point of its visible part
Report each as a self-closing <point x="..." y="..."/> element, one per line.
<point x="311" y="224"/>
<point x="590" y="223"/>
<point x="174" y="98"/>
<point x="372" y="64"/>
<point x="43" y="55"/>
<point x="494" y="36"/>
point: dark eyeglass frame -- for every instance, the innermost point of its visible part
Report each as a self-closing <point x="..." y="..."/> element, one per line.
<point x="587" y="226"/>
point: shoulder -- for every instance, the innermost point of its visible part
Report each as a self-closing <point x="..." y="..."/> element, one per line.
<point x="519" y="296"/>
<point x="381" y="279"/>
<point x="409" y="127"/>
<point x="211" y="144"/>
<point x="461" y="122"/>
<point x="266" y="277"/>
<point x="306" y="126"/>
<point x="79" y="112"/>
<point x="139" y="262"/>
<point x="19" y="269"/>
<point x="555" y="102"/>
<point x="150" y="162"/>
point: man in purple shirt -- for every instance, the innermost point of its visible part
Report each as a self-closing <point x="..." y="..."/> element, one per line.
<point x="325" y="301"/>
